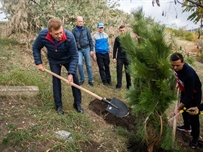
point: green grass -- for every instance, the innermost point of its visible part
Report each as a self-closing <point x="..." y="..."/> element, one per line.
<point x="6" y="42"/>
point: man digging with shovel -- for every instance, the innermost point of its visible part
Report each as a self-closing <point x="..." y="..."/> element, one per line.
<point x="61" y="51"/>
<point x="191" y="94"/>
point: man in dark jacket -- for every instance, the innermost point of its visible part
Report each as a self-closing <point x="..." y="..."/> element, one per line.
<point x="121" y="59"/>
<point x="85" y="49"/>
<point x="191" y="94"/>
<point x="61" y="50"/>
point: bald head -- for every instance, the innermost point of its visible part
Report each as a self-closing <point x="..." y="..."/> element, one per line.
<point x="79" y="21"/>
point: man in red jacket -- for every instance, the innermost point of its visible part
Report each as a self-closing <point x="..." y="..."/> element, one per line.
<point x="61" y="50"/>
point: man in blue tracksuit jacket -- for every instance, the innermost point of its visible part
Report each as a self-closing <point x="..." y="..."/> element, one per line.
<point x="102" y="49"/>
<point x="191" y="95"/>
<point x="61" y="50"/>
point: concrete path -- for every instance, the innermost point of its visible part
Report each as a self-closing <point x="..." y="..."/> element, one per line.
<point x="25" y="91"/>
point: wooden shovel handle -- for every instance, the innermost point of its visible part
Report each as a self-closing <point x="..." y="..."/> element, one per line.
<point x="175" y="119"/>
<point x="73" y="84"/>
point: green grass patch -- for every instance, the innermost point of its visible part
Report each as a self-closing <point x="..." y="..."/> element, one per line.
<point x="16" y="136"/>
<point x="6" y="42"/>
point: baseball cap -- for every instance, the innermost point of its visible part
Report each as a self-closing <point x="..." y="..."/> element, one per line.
<point x="100" y="25"/>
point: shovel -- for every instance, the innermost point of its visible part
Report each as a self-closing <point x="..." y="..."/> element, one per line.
<point x="115" y="106"/>
<point x="174" y="121"/>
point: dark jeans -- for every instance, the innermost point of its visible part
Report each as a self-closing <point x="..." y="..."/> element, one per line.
<point x="103" y="62"/>
<point x="56" y="68"/>
<point x="192" y="120"/>
<point x="119" y="68"/>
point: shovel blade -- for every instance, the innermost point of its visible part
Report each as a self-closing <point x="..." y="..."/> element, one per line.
<point x="119" y="109"/>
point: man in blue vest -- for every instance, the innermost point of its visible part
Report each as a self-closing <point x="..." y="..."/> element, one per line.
<point x="85" y="49"/>
<point x="103" y="51"/>
<point x="61" y="51"/>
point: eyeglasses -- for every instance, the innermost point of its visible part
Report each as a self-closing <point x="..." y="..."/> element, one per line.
<point x="100" y="27"/>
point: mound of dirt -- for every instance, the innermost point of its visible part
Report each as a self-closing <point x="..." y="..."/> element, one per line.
<point x="99" y="108"/>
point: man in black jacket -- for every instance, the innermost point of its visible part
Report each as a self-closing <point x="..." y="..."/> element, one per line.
<point x="61" y="50"/>
<point x="120" y="57"/>
<point x="85" y="49"/>
<point x="191" y="95"/>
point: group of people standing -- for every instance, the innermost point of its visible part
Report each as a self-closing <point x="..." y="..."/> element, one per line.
<point x="68" y="49"/>
<point x="99" y="48"/>
<point x="65" y="48"/>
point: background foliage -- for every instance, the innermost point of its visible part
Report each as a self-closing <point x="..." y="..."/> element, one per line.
<point x="29" y="16"/>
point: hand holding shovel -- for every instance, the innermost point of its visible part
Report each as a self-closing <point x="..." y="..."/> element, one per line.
<point x="194" y="111"/>
<point x="177" y="114"/>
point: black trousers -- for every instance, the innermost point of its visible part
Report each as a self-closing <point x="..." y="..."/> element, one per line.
<point x="56" y="68"/>
<point x="103" y="62"/>
<point x="192" y="120"/>
<point x="119" y="68"/>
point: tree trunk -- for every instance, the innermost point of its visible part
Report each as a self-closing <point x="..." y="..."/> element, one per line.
<point x="150" y="147"/>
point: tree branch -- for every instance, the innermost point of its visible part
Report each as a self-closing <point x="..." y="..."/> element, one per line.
<point x="193" y="2"/>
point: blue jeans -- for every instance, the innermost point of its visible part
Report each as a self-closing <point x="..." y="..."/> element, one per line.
<point x="86" y="54"/>
<point x="56" y="68"/>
